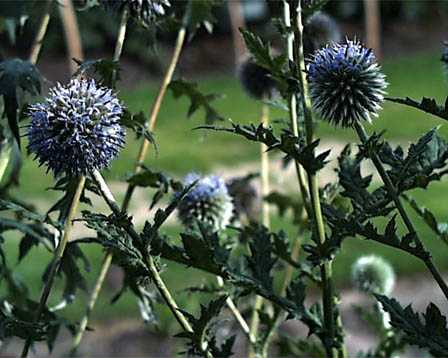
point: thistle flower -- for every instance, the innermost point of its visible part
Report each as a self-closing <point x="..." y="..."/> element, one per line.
<point x="143" y="11"/>
<point x="256" y="80"/>
<point x="346" y="83"/>
<point x="77" y="128"/>
<point x="320" y="30"/>
<point x="208" y="203"/>
<point x="373" y="274"/>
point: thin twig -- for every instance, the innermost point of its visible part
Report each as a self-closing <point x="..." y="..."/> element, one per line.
<point x="42" y="30"/>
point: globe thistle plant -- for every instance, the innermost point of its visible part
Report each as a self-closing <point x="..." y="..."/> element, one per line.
<point x="346" y="84"/>
<point x="320" y="30"/>
<point x="256" y="80"/>
<point x="444" y="58"/>
<point x="143" y="11"/>
<point x="207" y="203"/>
<point x="77" y="128"/>
<point x="373" y="274"/>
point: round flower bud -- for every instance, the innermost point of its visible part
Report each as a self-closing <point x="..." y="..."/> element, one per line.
<point x="207" y="203"/>
<point x="76" y="129"/>
<point x="320" y="30"/>
<point x="143" y="11"/>
<point x="346" y="84"/>
<point x="373" y="274"/>
<point x="256" y="80"/>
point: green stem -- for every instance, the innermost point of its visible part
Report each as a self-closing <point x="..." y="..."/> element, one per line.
<point x="149" y="261"/>
<point x="266" y="220"/>
<point x="59" y="253"/>
<point x="108" y="257"/>
<point x="328" y="298"/>
<point x="395" y="197"/>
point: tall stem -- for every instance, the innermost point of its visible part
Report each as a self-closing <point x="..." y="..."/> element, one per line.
<point x="59" y="253"/>
<point x="107" y="261"/>
<point x="266" y="220"/>
<point x="328" y="299"/>
<point x="149" y="261"/>
<point x="395" y="197"/>
<point x="42" y="29"/>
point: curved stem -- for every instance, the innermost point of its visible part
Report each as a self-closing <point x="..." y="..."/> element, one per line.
<point x="43" y="25"/>
<point x="108" y="257"/>
<point x="266" y="220"/>
<point x="59" y="253"/>
<point x="395" y="197"/>
<point x="149" y="261"/>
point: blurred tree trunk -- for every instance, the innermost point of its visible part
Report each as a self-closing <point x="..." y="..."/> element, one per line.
<point x="71" y="31"/>
<point x="372" y="18"/>
<point x="236" y="22"/>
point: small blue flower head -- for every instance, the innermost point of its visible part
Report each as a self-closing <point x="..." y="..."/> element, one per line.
<point x="207" y="203"/>
<point x="256" y="80"/>
<point x="144" y="12"/>
<point x="373" y="274"/>
<point x="346" y="84"/>
<point x="320" y="30"/>
<point x="77" y="128"/>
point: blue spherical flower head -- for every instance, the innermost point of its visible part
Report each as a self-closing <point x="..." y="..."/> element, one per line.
<point x="444" y="58"/>
<point x="144" y="12"/>
<point x="207" y="203"/>
<point x="346" y="84"/>
<point x="77" y="128"/>
<point x="320" y="30"/>
<point x="373" y="274"/>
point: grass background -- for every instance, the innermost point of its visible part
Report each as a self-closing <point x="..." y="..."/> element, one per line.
<point x="182" y="150"/>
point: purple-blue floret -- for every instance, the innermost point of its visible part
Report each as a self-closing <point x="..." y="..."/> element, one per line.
<point x="77" y="128"/>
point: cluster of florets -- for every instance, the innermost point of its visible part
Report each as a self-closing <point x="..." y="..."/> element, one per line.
<point x="143" y="11"/>
<point x="320" y="30"/>
<point x="77" y="128"/>
<point x="208" y="203"/>
<point x="256" y="80"/>
<point x="373" y="274"/>
<point x="444" y="58"/>
<point x="346" y="83"/>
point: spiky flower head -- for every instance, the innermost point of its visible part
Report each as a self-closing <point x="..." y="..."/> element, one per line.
<point x="144" y="12"/>
<point x="346" y="83"/>
<point x="373" y="274"/>
<point x="207" y="203"/>
<point x="76" y="129"/>
<point x="255" y="79"/>
<point x="320" y="30"/>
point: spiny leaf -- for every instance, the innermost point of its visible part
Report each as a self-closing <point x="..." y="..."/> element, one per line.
<point x="198" y="100"/>
<point x="428" y="105"/>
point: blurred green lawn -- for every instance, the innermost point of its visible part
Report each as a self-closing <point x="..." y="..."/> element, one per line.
<point x="182" y="150"/>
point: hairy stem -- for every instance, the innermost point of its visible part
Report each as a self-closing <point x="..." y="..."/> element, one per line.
<point x="149" y="261"/>
<point x="266" y="220"/>
<point x="237" y="314"/>
<point x="42" y="29"/>
<point x="108" y="257"/>
<point x="59" y="253"/>
<point x="395" y="197"/>
<point x="328" y="298"/>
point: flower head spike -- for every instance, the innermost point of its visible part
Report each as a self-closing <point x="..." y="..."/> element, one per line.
<point x="320" y="30"/>
<point x="208" y="202"/>
<point x="77" y="128"/>
<point x="346" y="84"/>
<point x="373" y="274"/>
<point x="256" y="80"/>
<point x="143" y="11"/>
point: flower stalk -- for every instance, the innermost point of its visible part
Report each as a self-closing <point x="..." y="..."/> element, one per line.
<point x="42" y="30"/>
<point x="59" y="253"/>
<point x="398" y="204"/>
<point x="328" y="298"/>
<point x="150" y="124"/>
